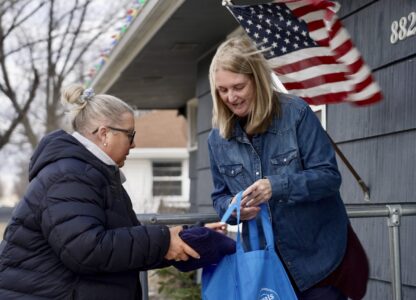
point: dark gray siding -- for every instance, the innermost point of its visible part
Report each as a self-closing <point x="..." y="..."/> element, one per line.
<point x="204" y="180"/>
<point x="193" y="176"/>
<point x="380" y="140"/>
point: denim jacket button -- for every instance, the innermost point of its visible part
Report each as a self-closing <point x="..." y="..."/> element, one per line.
<point x="257" y="173"/>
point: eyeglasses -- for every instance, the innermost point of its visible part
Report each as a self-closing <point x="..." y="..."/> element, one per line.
<point x="130" y="134"/>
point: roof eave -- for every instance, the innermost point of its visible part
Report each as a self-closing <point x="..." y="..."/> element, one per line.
<point x="154" y="14"/>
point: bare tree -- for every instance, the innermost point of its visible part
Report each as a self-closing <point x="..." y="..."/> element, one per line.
<point x="43" y="43"/>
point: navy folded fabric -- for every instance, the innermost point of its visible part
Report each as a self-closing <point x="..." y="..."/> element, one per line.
<point x="211" y="245"/>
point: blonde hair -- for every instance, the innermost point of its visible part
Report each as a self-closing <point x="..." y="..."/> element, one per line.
<point x="88" y="111"/>
<point x="239" y="55"/>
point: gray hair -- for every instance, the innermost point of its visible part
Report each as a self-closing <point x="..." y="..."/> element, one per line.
<point x="88" y="111"/>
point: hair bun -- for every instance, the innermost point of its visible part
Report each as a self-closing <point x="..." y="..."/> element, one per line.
<point x="88" y="94"/>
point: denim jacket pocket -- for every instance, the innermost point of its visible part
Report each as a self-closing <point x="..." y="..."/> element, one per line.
<point x="281" y="161"/>
<point x="234" y="177"/>
<point x="231" y="170"/>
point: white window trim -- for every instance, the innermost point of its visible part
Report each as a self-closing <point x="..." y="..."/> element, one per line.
<point x="321" y="108"/>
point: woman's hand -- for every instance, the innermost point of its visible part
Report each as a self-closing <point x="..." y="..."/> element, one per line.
<point x="178" y="249"/>
<point x="246" y="213"/>
<point x="218" y="226"/>
<point x="257" y="193"/>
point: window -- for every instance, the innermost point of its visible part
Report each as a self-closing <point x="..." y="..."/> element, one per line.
<point x="167" y="178"/>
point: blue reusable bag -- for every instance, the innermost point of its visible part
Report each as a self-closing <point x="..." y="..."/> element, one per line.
<point x="253" y="275"/>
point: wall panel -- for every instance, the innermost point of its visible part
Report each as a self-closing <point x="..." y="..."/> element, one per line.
<point x="396" y="112"/>
<point x="348" y="6"/>
<point x="386" y="164"/>
<point x="204" y="113"/>
<point x="370" y="29"/>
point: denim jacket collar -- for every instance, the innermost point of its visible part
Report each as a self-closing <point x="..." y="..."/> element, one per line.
<point x="240" y="135"/>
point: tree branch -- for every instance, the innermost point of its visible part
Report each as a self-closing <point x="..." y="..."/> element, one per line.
<point x="4" y="139"/>
<point x="71" y="48"/>
<point x="16" y="23"/>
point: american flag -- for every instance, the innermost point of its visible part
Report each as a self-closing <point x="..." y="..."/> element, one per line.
<point x="309" y="50"/>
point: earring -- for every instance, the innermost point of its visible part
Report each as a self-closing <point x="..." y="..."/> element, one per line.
<point x="105" y="144"/>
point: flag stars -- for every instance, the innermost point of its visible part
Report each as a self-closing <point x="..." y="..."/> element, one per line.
<point x="275" y="30"/>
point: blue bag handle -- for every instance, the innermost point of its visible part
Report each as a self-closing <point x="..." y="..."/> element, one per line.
<point x="253" y="232"/>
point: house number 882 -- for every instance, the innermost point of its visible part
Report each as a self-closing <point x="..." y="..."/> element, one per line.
<point x="402" y="29"/>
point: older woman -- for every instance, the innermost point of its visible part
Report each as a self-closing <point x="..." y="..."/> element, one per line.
<point x="272" y="146"/>
<point x="74" y="235"/>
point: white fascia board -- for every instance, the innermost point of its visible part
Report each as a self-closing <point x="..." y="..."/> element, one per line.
<point x="159" y="153"/>
<point x="153" y="15"/>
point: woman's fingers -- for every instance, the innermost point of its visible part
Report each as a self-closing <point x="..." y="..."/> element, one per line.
<point x="217" y="226"/>
<point x="178" y="249"/>
<point x="257" y="193"/>
<point x="248" y="213"/>
<point x="189" y="252"/>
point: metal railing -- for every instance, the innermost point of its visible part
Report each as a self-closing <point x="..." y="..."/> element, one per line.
<point x="392" y="211"/>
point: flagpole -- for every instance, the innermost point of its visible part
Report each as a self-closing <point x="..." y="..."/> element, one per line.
<point x="362" y="184"/>
<point x="227" y="2"/>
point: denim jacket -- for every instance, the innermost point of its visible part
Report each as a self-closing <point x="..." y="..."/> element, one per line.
<point x="308" y="216"/>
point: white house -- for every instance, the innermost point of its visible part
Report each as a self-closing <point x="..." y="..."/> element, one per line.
<point x="157" y="169"/>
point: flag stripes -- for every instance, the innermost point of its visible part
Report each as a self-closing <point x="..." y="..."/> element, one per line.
<point x="309" y="50"/>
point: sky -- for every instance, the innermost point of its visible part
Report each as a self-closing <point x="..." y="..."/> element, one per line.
<point x="16" y="153"/>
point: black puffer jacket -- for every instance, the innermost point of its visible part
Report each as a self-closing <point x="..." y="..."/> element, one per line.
<point x="74" y="235"/>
